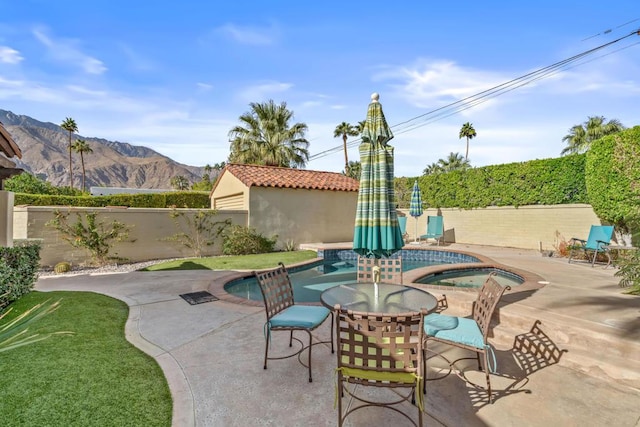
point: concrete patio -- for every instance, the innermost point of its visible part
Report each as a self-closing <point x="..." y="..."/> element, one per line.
<point x="586" y="369"/>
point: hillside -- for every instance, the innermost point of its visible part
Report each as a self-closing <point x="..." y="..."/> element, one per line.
<point x="45" y="153"/>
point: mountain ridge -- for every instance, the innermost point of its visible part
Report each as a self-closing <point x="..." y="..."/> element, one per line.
<point x="45" y="153"/>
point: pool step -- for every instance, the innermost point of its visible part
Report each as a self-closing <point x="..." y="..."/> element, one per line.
<point x="589" y="347"/>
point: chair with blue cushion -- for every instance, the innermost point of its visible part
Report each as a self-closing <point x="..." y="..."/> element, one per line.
<point x="380" y="350"/>
<point x="435" y="229"/>
<point x="597" y="242"/>
<point x="468" y="333"/>
<point x="284" y="315"/>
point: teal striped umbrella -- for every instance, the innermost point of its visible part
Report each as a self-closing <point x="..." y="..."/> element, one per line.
<point x="377" y="232"/>
<point x="415" y="207"/>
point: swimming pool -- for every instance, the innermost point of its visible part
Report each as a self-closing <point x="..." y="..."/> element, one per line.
<point x="471" y="277"/>
<point x="339" y="267"/>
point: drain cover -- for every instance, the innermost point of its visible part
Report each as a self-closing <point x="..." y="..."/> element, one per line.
<point x="194" y="298"/>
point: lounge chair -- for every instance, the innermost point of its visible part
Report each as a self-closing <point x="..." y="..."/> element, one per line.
<point x="379" y="350"/>
<point x="597" y="242"/>
<point x="468" y="333"/>
<point x="435" y="229"/>
<point x="284" y="315"/>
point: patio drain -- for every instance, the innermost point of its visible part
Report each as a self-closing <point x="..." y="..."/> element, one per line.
<point x="194" y="298"/>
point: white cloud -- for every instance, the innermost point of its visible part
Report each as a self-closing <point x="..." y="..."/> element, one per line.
<point x="205" y="87"/>
<point x="65" y="51"/>
<point x="256" y="36"/>
<point x="261" y="92"/>
<point x="9" y="55"/>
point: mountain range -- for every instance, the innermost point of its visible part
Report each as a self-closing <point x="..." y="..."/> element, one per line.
<point x="45" y="153"/>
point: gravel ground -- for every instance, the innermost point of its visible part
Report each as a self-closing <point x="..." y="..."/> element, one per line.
<point x="111" y="268"/>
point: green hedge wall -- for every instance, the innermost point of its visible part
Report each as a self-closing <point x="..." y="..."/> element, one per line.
<point x="613" y="177"/>
<point x="18" y="271"/>
<point x="536" y="182"/>
<point x="180" y="199"/>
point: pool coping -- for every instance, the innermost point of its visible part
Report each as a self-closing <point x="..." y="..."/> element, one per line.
<point x="531" y="281"/>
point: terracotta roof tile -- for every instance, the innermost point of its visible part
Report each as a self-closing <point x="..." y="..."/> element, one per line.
<point x="270" y="176"/>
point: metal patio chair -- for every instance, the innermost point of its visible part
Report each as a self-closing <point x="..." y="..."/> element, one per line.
<point x="390" y="270"/>
<point x="468" y="333"/>
<point x="380" y="350"/>
<point x="284" y="315"/>
<point x="597" y="242"/>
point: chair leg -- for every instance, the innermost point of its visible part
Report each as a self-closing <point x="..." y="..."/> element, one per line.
<point x="486" y="373"/>
<point x="424" y="367"/>
<point x="479" y="365"/>
<point x="332" y="320"/>
<point x="291" y="339"/>
<point x="310" y="339"/>
<point x="340" y="396"/>
<point x="266" y="349"/>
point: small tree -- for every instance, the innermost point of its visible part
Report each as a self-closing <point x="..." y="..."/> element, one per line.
<point x="89" y="233"/>
<point x="196" y="232"/>
<point x="179" y="182"/>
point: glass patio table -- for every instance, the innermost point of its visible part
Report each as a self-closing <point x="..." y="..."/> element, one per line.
<point x="389" y="299"/>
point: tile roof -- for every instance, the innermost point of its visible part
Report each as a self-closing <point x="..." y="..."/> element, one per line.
<point x="278" y="177"/>
<point x="7" y="145"/>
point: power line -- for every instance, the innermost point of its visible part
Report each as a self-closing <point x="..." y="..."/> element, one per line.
<point x="484" y="96"/>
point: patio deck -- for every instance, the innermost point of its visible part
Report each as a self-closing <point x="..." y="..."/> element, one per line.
<point x="212" y="353"/>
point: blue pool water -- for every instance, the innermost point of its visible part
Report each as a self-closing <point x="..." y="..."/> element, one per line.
<point x="471" y="278"/>
<point x="339" y="267"/>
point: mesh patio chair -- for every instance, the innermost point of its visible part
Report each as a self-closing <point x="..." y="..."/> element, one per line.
<point x="435" y="229"/>
<point x="597" y="242"/>
<point x="379" y="350"/>
<point x="284" y="315"/>
<point x="468" y="333"/>
<point x="402" y="222"/>
<point x="390" y="270"/>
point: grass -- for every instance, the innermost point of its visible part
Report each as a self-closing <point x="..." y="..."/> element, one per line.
<point x="94" y="377"/>
<point x="240" y="262"/>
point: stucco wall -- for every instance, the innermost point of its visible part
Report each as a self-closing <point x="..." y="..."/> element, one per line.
<point x="147" y="228"/>
<point x="230" y="192"/>
<point x="525" y="227"/>
<point x="6" y="218"/>
<point x="303" y="216"/>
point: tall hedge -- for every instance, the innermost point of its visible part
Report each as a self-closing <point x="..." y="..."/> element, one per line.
<point x="613" y="177"/>
<point x="180" y="199"/>
<point x="536" y="182"/>
<point x="18" y="271"/>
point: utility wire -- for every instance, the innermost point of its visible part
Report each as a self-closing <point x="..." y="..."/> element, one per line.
<point x="484" y="96"/>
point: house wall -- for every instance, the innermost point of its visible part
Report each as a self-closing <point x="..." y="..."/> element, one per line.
<point x="230" y="193"/>
<point x="148" y="228"/>
<point x="303" y="216"/>
<point x="527" y="227"/>
<point x="6" y="218"/>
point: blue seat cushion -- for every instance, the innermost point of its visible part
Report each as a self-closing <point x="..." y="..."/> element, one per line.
<point x="300" y="316"/>
<point x="456" y="329"/>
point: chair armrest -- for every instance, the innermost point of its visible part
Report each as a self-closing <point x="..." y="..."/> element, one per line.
<point x="575" y="239"/>
<point x="602" y="244"/>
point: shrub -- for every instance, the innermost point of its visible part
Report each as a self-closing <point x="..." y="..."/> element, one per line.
<point x="182" y="199"/>
<point x="89" y="233"/>
<point x="18" y="271"/>
<point x="240" y="240"/>
<point x="197" y="231"/>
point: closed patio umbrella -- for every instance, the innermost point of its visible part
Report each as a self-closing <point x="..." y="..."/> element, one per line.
<point x="377" y="232"/>
<point x="415" y="207"/>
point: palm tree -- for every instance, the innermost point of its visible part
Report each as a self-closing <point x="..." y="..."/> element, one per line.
<point x="345" y="130"/>
<point x="453" y="162"/>
<point x="179" y="182"/>
<point x="354" y="170"/>
<point x="581" y="136"/>
<point x="432" y="169"/>
<point x="266" y="137"/>
<point x="81" y="146"/>
<point x="467" y="131"/>
<point x="360" y="126"/>
<point x="70" y="126"/>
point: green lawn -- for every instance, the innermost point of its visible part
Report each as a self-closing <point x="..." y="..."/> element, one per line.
<point x="94" y="377"/>
<point x="241" y="262"/>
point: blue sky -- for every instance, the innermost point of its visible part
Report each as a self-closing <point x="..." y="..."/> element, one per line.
<point x="175" y="76"/>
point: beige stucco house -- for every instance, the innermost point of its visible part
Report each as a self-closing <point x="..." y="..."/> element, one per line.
<point x="8" y="149"/>
<point x="297" y="205"/>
